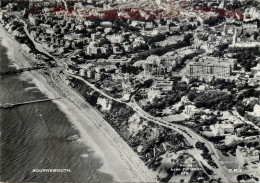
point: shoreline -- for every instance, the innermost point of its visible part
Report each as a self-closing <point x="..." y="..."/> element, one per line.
<point x="91" y="129"/>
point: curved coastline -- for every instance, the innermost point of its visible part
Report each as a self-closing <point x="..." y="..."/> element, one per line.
<point x="115" y="161"/>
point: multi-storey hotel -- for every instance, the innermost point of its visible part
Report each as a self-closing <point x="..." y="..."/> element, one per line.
<point x="211" y="66"/>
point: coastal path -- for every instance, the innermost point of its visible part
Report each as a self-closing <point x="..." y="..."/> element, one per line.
<point x="143" y="114"/>
<point x="140" y="172"/>
<point x="135" y="163"/>
<point x="221" y="171"/>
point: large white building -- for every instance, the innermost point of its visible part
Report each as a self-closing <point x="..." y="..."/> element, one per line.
<point x="190" y="110"/>
<point x="247" y="155"/>
<point x="115" y="38"/>
<point x="224" y="129"/>
<point x="211" y="66"/>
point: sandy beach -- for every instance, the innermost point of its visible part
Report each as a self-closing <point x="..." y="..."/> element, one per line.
<point x="119" y="159"/>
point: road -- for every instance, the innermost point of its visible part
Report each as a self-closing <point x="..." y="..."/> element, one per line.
<point x="37" y="45"/>
<point x="133" y="162"/>
<point x="221" y="171"/>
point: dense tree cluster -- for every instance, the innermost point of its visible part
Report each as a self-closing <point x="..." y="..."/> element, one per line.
<point x="245" y="177"/>
<point x="247" y="131"/>
<point x="212" y="21"/>
<point x="199" y="173"/>
<point x="240" y="106"/>
<point x="223" y="84"/>
<point x="126" y="68"/>
<point x="172" y="97"/>
<point x="212" y="100"/>
<point x="210" y="172"/>
<point x="157" y="38"/>
<point x="162" y="50"/>
<point x="232" y="147"/>
<point x="205" y="154"/>
<point x="247" y="57"/>
<point x="118" y="117"/>
<point x="242" y="5"/>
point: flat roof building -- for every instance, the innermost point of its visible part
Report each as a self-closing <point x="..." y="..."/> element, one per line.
<point x="247" y="155"/>
<point x="211" y="67"/>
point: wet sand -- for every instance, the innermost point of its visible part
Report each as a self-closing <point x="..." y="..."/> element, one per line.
<point x="95" y="132"/>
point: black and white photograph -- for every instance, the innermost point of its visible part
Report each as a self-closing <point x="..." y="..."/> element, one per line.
<point x="129" y="91"/>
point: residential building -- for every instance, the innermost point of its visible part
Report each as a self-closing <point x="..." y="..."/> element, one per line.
<point x="50" y="31"/>
<point x="162" y="85"/>
<point x="116" y="50"/>
<point x="126" y="86"/>
<point x="33" y="20"/>
<point x="82" y="72"/>
<point x="92" y="48"/>
<point x="115" y="38"/>
<point x="95" y="36"/>
<point x="250" y="27"/>
<point x="211" y="66"/>
<point x="90" y="73"/>
<point x="2" y="14"/>
<point x="98" y="75"/>
<point x="190" y="110"/>
<point x="149" y="25"/>
<point x="116" y="77"/>
<point x="155" y="65"/>
<point x="224" y="129"/>
<point x="106" y="24"/>
<point x="247" y="155"/>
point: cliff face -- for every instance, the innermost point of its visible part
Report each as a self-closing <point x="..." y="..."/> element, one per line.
<point x="118" y="114"/>
<point x="89" y="94"/>
<point x="143" y="136"/>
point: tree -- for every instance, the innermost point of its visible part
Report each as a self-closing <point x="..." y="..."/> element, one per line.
<point x="212" y="21"/>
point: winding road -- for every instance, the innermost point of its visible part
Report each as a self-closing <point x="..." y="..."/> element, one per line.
<point x="221" y="171"/>
<point x="191" y="136"/>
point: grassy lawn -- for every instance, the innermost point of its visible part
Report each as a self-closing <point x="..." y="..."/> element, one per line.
<point x="233" y="165"/>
